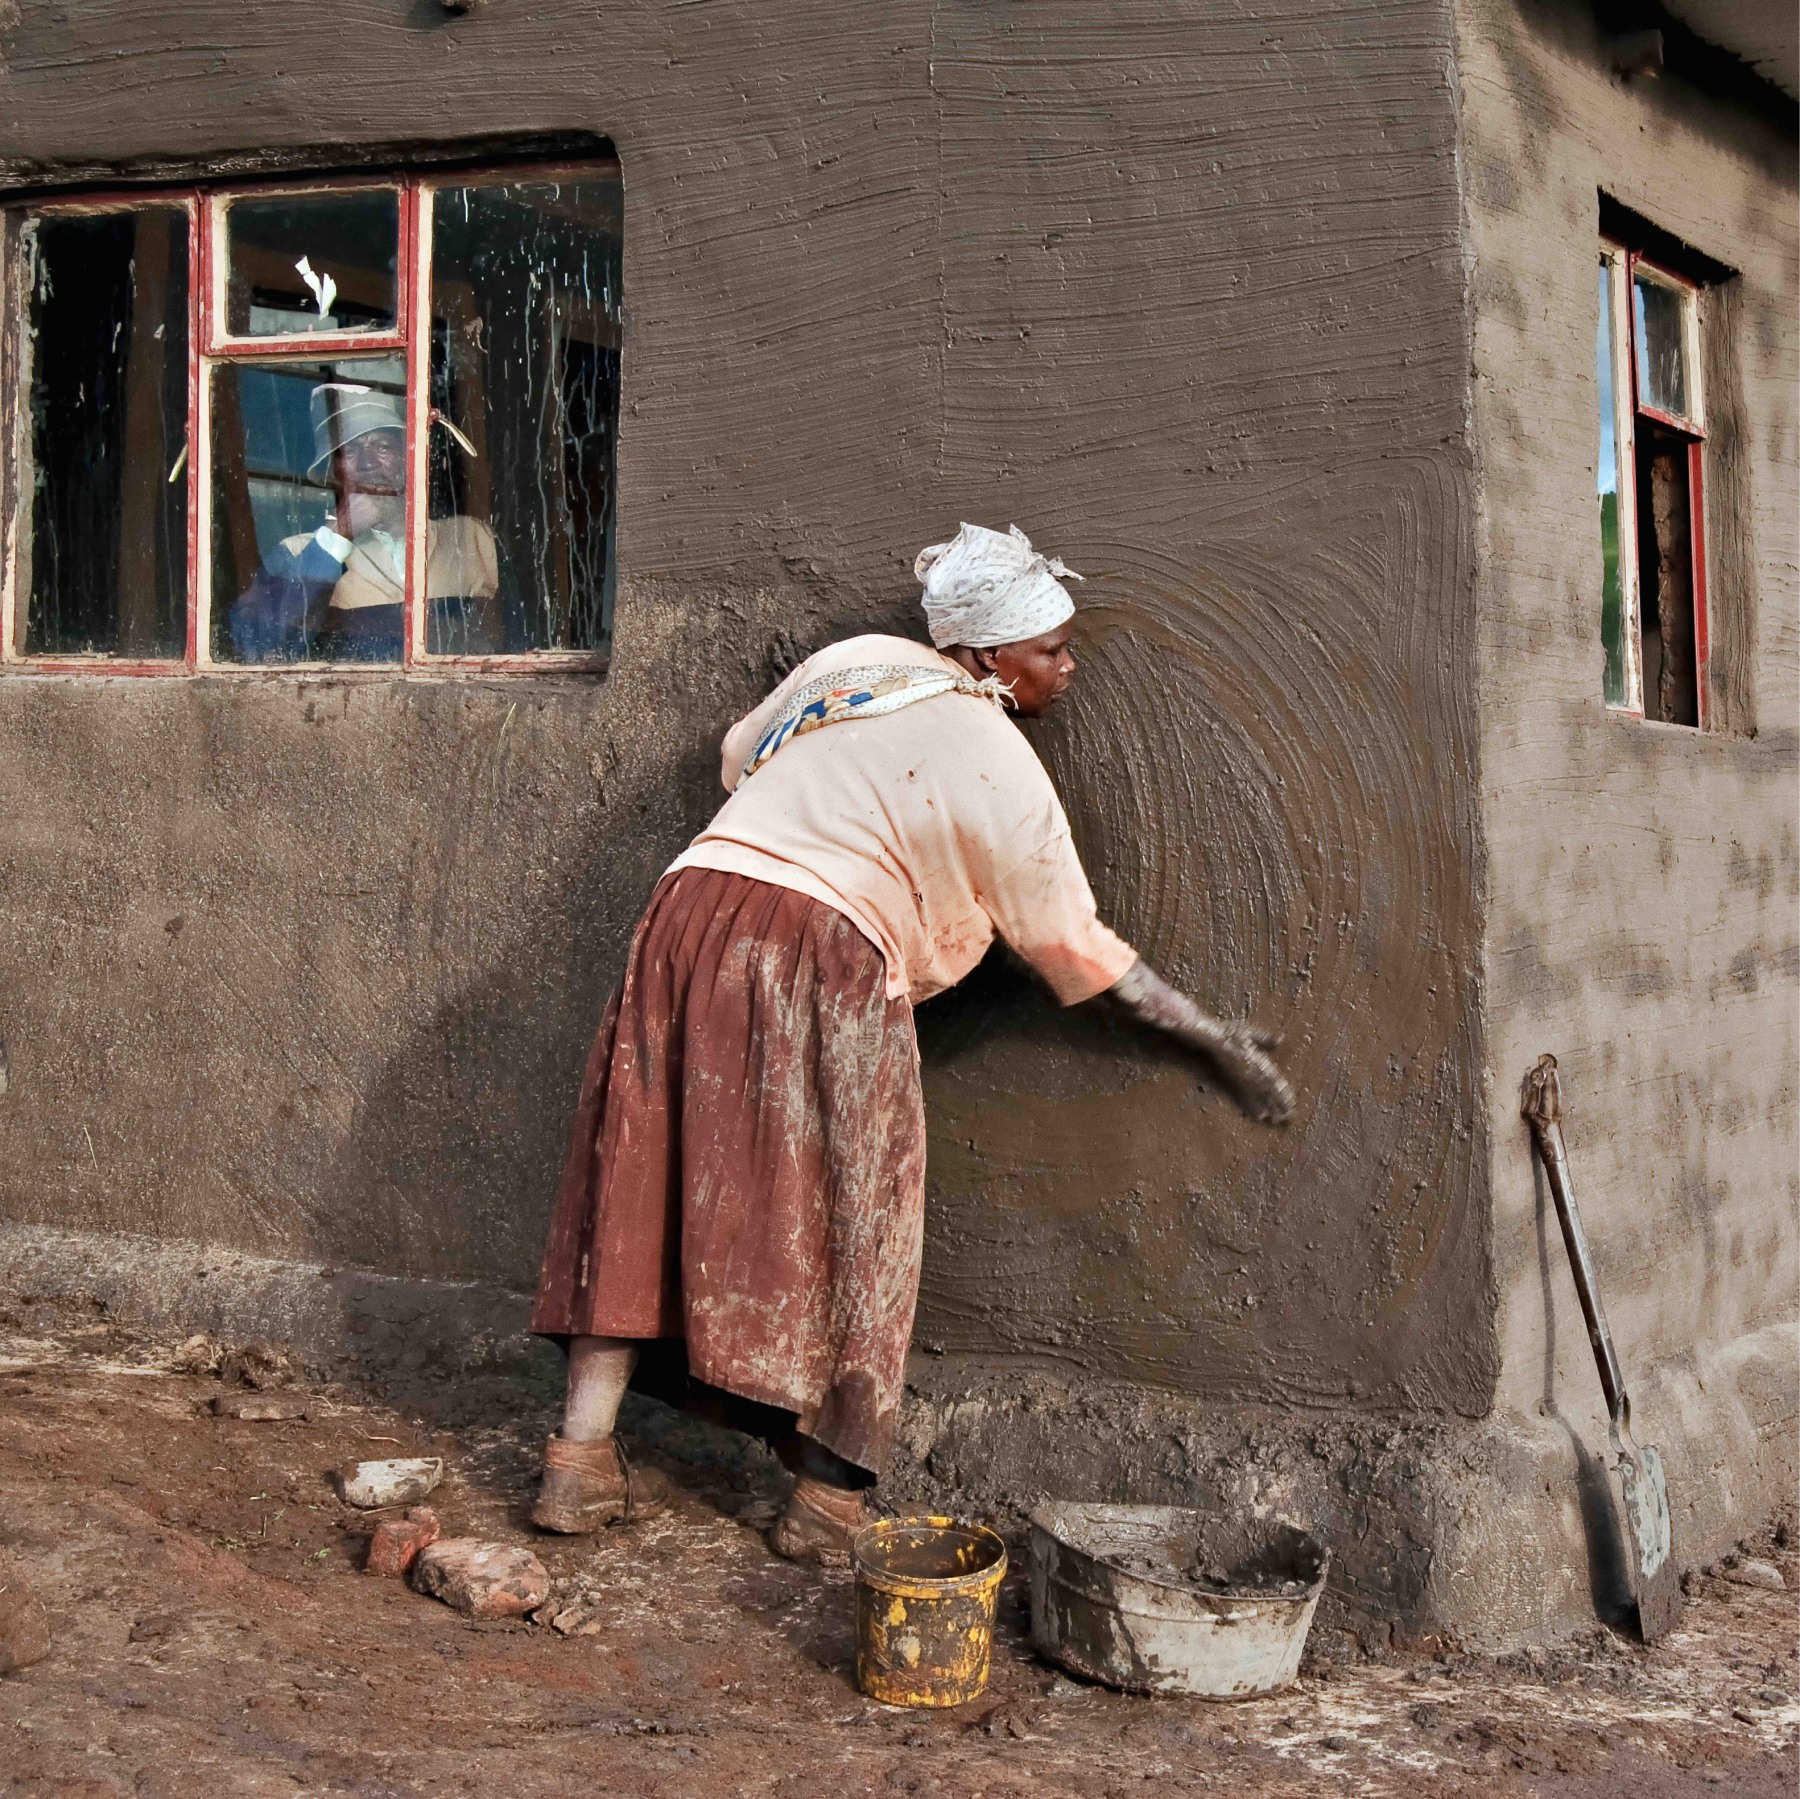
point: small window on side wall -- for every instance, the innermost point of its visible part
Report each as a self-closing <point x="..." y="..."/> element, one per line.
<point x="1652" y="489"/>
<point x="366" y="422"/>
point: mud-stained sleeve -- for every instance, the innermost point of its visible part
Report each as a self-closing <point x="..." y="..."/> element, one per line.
<point x="1044" y="908"/>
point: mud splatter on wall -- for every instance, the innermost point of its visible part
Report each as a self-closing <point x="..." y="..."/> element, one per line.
<point x="309" y="966"/>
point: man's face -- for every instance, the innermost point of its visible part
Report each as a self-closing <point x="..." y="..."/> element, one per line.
<point x="374" y="463"/>
<point x="1038" y="669"/>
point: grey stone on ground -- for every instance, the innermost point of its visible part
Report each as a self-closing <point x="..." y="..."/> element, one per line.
<point x="399" y="1480"/>
<point x="1757" y="1574"/>
<point x="261" y="1408"/>
<point x="482" y="1580"/>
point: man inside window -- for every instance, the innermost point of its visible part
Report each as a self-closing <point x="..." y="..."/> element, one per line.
<point x="339" y="594"/>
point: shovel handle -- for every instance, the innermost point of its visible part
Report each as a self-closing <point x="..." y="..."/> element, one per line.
<point x="1541" y="1105"/>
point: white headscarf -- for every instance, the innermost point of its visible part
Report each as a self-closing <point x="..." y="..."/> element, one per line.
<point x="984" y="588"/>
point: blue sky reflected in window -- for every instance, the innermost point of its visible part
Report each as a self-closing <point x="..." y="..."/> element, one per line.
<point x="1612" y="600"/>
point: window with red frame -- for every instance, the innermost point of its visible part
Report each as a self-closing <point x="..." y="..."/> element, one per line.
<point x="366" y="421"/>
<point x="1652" y="489"/>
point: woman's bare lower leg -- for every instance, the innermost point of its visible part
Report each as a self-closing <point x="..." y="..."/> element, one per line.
<point x="599" y="1370"/>
<point x="588" y="1478"/>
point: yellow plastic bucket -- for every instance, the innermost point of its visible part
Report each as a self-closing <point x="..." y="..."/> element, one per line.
<point x="925" y="1592"/>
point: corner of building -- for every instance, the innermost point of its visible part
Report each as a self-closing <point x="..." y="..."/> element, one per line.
<point x="1640" y="877"/>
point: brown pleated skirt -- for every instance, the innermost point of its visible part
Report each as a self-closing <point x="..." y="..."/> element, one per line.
<point x="747" y="1168"/>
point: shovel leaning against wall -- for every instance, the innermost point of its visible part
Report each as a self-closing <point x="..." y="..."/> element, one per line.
<point x="1637" y="1473"/>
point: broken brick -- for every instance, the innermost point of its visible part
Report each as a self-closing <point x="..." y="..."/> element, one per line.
<point x="482" y="1580"/>
<point x="576" y="1616"/>
<point x="397" y="1542"/>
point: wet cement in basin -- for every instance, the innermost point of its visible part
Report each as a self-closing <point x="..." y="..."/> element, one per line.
<point x="1163" y="1599"/>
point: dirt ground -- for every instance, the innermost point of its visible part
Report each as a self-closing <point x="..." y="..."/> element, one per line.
<point x="214" y="1635"/>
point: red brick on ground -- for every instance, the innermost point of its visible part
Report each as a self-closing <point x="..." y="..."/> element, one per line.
<point x="482" y="1580"/>
<point x="396" y="1543"/>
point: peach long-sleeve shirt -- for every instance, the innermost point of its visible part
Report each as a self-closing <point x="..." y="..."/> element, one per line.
<point x="930" y="829"/>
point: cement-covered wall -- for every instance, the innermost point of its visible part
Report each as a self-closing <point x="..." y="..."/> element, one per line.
<point x="308" y="966"/>
<point x="1642" y="877"/>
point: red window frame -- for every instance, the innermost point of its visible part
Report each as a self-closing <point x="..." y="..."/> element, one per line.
<point x="1693" y="430"/>
<point x="210" y="346"/>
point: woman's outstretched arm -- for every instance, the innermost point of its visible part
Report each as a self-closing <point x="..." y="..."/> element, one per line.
<point x="1240" y="1053"/>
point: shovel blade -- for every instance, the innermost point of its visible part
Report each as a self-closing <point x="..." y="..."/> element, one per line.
<point x="1659" y="1604"/>
<point x="1654" y="1580"/>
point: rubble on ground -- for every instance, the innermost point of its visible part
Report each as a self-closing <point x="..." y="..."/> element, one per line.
<point x="198" y="1354"/>
<point x="261" y="1366"/>
<point x="577" y="1614"/>
<point x="261" y="1408"/>
<point x="210" y="1629"/>
<point x="482" y="1580"/>
<point x="1753" y="1573"/>
<point x="397" y="1542"/>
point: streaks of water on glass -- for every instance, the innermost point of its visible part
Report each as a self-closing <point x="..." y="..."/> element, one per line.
<point x="525" y="362"/>
<point x="1660" y="312"/>
<point x="103" y="563"/>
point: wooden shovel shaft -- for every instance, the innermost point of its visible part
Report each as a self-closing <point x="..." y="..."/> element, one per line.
<point x="1541" y="1107"/>
<point x="1581" y="1262"/>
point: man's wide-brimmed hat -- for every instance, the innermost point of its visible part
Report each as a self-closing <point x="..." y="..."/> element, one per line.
<point x="343" y="411"/>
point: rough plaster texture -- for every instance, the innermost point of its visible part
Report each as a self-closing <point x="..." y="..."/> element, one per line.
<point x="307" y="968"/>
<point x="429" y="1338"/>
<point x="1642" y="878"/>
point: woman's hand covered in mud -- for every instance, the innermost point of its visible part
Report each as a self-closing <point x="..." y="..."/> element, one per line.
<point x="1241" y="1054"/>
<point x="1261" y="1090"/>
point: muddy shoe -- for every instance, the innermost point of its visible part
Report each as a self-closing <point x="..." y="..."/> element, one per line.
<point x="819" y="1524"/>
<point x="587" y="1485"/>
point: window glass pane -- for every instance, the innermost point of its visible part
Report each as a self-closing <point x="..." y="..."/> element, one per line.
<point x="1666" y="576"/>
<point x="525" y="399"/>
<point x="309" y="511"/>
<point x="103" y="565"/>
<point x="1612" y="600"/>
<point x="312" y="262"/>
<point x="1659" y="325"/>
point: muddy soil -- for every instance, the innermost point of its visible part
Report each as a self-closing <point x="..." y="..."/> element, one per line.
<point x="214" y="1635"/>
